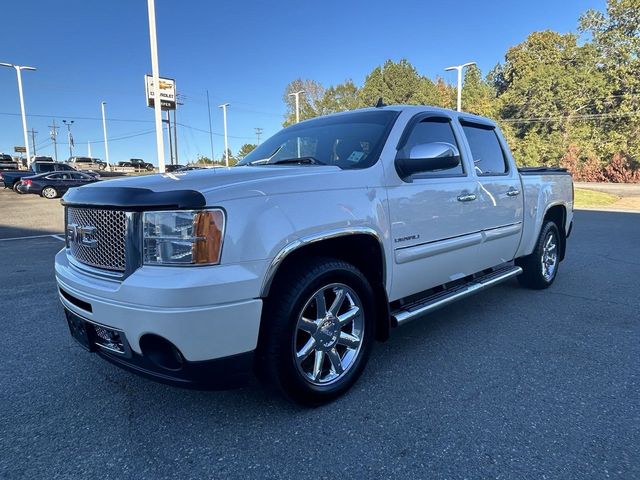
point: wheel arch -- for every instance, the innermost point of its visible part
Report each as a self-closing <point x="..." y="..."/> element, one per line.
<point x="360" y="246"/>
<point x="558" y="214"/>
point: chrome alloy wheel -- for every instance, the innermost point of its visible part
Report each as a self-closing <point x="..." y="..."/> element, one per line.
<point x="328" y="340"/>
<point x="49" y="192"/>
<point x="549" y="259"/>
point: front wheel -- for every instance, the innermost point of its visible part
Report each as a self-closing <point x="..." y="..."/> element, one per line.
<point x="540" y="268"/>
<point x="49" y="192"/>
<point x="318" y="331"/>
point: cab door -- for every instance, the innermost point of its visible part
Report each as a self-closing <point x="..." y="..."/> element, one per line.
<point x="499" y="196"/>
<point x="434" y="216"/>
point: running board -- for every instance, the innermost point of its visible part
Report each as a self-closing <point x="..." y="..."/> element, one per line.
<point x="428" y="304"/>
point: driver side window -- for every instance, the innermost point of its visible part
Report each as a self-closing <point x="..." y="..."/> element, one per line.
<point x="429" y="130"/>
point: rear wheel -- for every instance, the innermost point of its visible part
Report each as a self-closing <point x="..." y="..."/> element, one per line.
<point x="15" y="188"/>
<point x="539" y="270"/>
<point x="318" y="331"/>
<point x="49" y="192"/>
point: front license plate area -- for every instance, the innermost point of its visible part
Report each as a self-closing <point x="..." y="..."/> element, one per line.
<point x="79" y="330"/>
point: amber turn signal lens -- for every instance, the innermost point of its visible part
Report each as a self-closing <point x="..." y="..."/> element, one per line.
<point x="208" y="229"/>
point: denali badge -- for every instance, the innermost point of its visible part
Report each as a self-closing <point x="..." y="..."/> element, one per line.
<point x="84" y="235"/>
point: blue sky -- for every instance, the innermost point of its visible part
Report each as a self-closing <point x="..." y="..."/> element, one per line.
<point x="243" y="52"/>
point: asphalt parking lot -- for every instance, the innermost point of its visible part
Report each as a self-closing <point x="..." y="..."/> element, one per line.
<point x="509" y="384"/>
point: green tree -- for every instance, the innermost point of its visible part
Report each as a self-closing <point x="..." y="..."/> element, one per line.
<point x="478" y="96"/>
<point x="339" y="98"/>
<point x="246" y="149"/>
<point x="397" y="83"/>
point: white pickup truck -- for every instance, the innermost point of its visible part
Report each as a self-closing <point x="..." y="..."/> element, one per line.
<point x="325" y="238"/>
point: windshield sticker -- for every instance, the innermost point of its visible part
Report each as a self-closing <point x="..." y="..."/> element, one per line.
<point x="355" y="157"/>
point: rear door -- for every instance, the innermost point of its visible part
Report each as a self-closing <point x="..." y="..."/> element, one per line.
<point x="498" y="187"/>
<point x="435" y="225"/>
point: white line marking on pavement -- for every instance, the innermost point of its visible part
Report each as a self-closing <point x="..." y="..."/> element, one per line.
<point x="57" y="237"/>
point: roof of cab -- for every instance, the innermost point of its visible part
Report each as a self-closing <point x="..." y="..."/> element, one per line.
<point x="416" y="109"/>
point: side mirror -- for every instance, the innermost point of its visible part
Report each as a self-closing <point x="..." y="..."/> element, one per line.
<point x="428" y="157"/>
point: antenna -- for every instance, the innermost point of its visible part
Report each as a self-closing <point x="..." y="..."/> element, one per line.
<point x="380" y="103"/>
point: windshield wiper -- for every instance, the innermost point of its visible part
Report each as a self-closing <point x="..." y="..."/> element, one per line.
<point x="299" y="160"/>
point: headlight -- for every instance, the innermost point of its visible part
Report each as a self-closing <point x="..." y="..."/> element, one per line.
<point x="183" y="237"/>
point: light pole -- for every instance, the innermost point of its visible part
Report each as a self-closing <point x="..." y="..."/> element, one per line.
<point x="19" y="69"/>
<point x="104" y="130"/>
<point x="226" y="141"/>
<point x="155" y="70"/>
<point x="297" y="95"/>
<point x="459" y="69"/>
<point x="69" y="136"/>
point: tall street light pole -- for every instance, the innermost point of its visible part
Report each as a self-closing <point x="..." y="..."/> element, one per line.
<point x="104" y="130"/>
<point x="459" y="69"/>
<point x="297" y="95"/>
<point x="19" y="69"/>
<point x="155" y="70"/>
<point x="226" y="141"/>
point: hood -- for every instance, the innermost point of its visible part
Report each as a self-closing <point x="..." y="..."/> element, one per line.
<point x="198" y="188"/>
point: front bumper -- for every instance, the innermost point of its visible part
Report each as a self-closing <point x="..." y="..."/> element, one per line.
<point x="208" y="314"/>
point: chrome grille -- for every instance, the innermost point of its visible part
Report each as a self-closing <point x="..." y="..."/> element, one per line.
<point x="110" y="234"/>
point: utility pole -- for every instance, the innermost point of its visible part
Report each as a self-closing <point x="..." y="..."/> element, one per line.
<point x="226" y="142"/>
<point x="89" y="149"/>
<point x="19" y="69"/>
<point x="459" y="69"/>
<point x="168" y="120"/>
<point x="33" y="140"/>
<point x="104" y="131"/>
<point x="175" y="128"/>
<point x="155" y="70"/>
<point x="69" y="136"/>
<point x="54" y="137"/>
<point x="258" y="134"/>
<point x="210" y="131"/>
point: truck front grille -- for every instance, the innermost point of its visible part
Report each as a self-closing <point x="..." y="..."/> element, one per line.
<point x="97" y="237"/>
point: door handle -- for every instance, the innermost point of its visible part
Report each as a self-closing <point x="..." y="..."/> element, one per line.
<point x="466" y="197"/>
<point x="513" y="192"/>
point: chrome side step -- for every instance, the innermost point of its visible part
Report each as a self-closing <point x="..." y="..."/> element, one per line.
<point x="411" y="311"/>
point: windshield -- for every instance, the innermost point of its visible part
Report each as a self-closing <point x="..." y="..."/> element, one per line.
<point x="352" y="140"/>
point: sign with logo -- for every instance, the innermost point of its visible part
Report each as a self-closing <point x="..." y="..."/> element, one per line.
<point x="20" y="149"/>
<point x="167" y="92"/>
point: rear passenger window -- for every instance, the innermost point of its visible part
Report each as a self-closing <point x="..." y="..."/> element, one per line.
<point x="488" y="157"/>
<point x="434" y="129"/>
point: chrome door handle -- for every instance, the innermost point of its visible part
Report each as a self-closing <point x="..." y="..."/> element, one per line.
<point x="513" y="192"/>
<point x="466" y="197"/>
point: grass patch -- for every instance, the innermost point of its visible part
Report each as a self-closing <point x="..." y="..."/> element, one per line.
<point x="591" y="199"/>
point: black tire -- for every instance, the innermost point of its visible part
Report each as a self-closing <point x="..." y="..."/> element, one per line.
<point x="534" y="274"/>
<point x="15" y="188"/>
<point x="278" y="346"/>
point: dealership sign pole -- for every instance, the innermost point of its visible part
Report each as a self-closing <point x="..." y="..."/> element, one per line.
<point x="155" y="70"/>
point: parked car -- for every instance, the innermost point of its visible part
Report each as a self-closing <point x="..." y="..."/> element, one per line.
<point x="174" y="167"/>
<point x="87" y="163"/>
<point x="7" y="162"/>
<point x="12" y="179"/>
<point x="54" y="184"/>
<point x="138" y="164"/>
<point x="307" y="251"/>
<point x="42" y="159"/>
